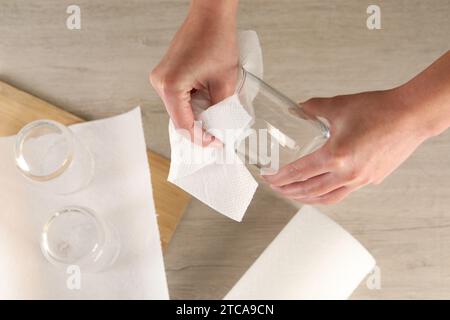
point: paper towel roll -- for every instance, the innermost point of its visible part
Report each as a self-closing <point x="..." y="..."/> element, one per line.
<point x="311" y="258"/>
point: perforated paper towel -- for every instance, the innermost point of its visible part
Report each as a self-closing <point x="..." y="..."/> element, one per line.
<point x="120" y="191"/>
<point x="311" y="258"/>
<point x="215" y="176"/>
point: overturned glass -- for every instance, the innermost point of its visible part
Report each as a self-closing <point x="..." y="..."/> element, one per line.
<point x="77" y="236"/>
<point x="280" y="131"/>
<point x="52" y="157"/>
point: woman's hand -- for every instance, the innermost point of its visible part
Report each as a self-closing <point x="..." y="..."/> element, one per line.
<point x="203" y="55"/>
<point x="372" y="133"/>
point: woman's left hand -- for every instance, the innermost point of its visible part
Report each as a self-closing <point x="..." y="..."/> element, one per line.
<point x="372" y="133"/>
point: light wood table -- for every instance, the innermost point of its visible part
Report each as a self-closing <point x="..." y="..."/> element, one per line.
<point x="311" y="48"/>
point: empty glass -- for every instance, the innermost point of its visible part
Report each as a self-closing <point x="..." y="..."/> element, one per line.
<point x="280" y="131"/>
<point x="77" y="236"/>
<point x="51" y="156"/>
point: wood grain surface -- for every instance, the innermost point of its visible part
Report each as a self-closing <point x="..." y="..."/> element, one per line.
<point x="310" y="48"/>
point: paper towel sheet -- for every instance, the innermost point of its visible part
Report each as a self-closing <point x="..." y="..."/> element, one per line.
<point x="311" y="258"/>
<point x="226" y="186"/>
<point x="217" y="176"/>
<point x="120" y="191"/>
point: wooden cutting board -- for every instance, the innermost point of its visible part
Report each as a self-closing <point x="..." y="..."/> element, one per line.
<point x="17" y="108"/>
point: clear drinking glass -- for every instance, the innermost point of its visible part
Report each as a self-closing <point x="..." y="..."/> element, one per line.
<point x="51" y="156"/>
<point x="280" y="131"/>
<point x="77" y="236"/>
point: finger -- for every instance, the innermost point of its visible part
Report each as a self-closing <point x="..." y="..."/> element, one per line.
<point x="332" y="197"/>
<point x="178" y="105"/>
<point x="313" y="187"/>
<point x="311" y="165"/>
<point x="180" y="111"/>
<point x="319" y="107"/>
<point x="176" y="97"/>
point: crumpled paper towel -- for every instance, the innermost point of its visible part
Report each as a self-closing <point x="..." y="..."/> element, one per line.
<point x="311" y="258"/>
<point x="217" y="176"/>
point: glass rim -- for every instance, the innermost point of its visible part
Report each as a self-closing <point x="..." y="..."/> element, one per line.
<point x="21" y="162"/>
<point x="242" y="74"/>
<point x="95" y="251"/>
<point x="319" y="122"/>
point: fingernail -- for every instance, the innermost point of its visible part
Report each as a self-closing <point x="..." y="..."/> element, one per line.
<point x="270" y="178"/>
<point x="206" y="137"/>
<point x="216" y="143"/>
<point x="268" y="171"/>
<point x="276" y="188"/>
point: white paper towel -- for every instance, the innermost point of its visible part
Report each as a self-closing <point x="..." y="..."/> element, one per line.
<point x="120" y="191"/>
<point x="311" y="258"/>
<point x="219" y="179"/>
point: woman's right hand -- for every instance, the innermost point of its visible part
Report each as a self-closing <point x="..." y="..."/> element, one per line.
<point x="203" y="55"/>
